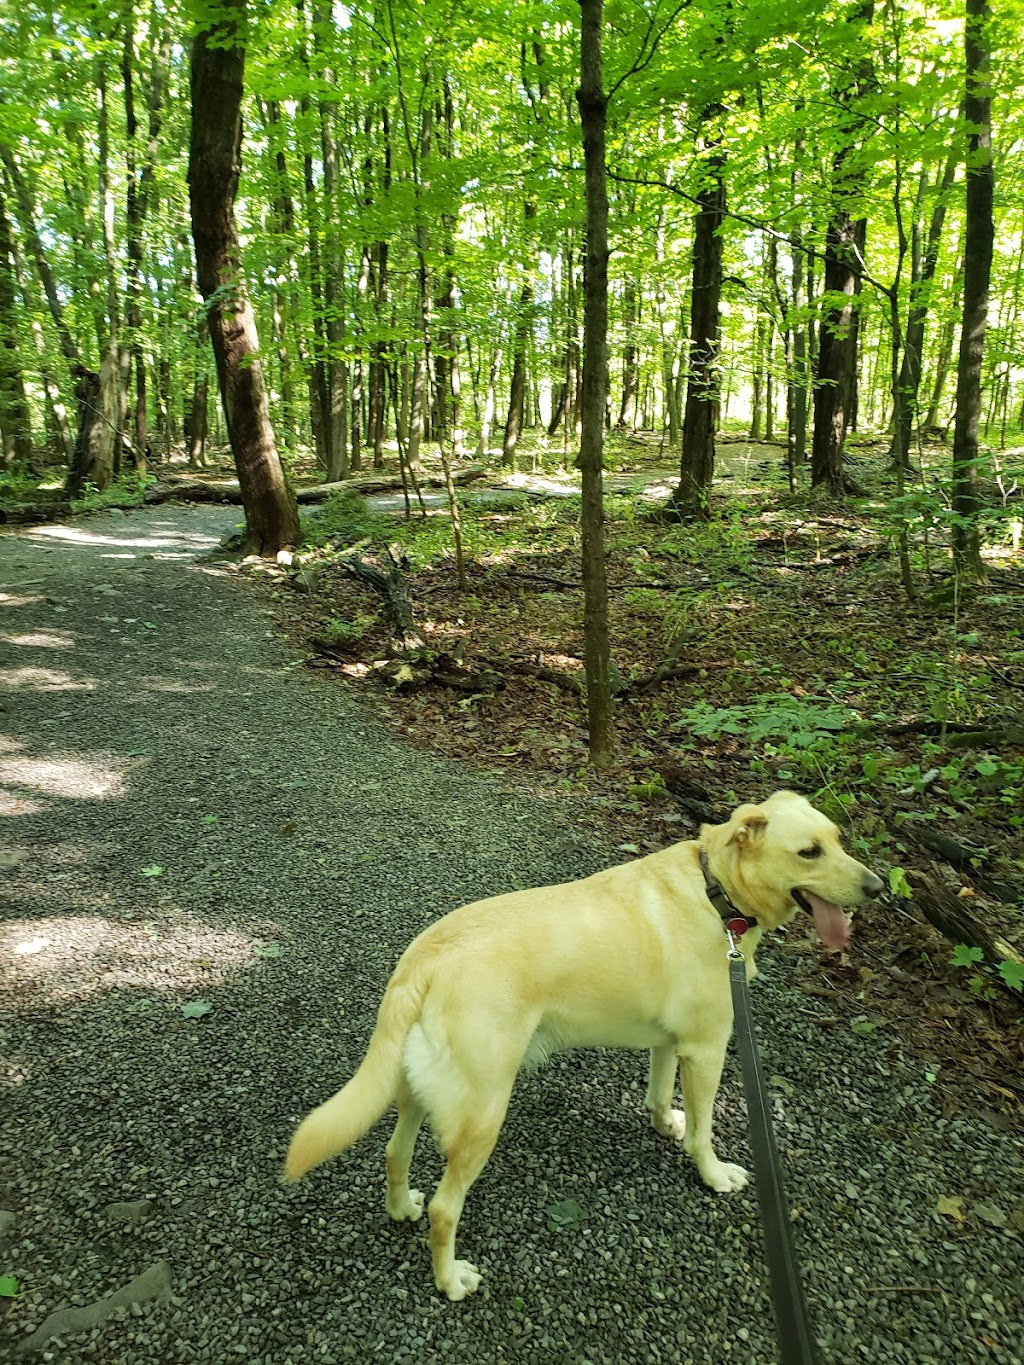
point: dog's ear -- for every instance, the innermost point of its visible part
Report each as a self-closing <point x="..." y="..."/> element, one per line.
<point x="747" y="826"/>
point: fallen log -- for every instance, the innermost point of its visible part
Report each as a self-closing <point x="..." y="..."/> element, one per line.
<point x="960" y="856"/>
<point x="20" y="513"/>
<point x="228" y="490"/>
<point x="568" y="682"/>
<point x="952" y="916"/>
<point x="223" y="490"/>
<point x="392" y="588"/>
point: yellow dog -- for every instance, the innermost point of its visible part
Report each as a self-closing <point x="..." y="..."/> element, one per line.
<point x="631" y="957"/>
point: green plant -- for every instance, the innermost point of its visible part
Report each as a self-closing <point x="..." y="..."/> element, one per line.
<point x="800" y="723"/>
<point x="1010" y="970"/>
<point x="345" y="518"/>
<point x="341" y="632"/>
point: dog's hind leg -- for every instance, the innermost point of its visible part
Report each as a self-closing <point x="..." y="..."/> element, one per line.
<point x="403" y="1204"/>
<point x="467" y="1152"/>
<point x="702" y="1072"/>
<point x="660" y="1088"/>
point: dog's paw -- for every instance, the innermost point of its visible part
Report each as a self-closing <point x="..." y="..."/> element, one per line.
<point x="670" y="1124"/>
<point x="723" y="1176"/>
<point x="406" y="1207"/>
<point x="463" y="1281"/>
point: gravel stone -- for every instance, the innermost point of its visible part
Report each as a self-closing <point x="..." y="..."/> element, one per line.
<point x="205" y="822"/>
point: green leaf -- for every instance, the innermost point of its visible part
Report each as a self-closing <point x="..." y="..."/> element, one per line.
<point x="1013" y="974"/>
<point x="153" y="870"/>
<point x="195" y="1009"/>
<point x="564" y="1215"/>
<point x="271" y="949"/>
<point x="986" y="767"/>
<point x="8" y="1286"/>
<point x="898" y="884"/>
<point x="991" y="1214"/>
<point x="966" y="956"/>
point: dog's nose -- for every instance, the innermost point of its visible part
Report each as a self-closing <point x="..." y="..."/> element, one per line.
<point x="872" y="885"/>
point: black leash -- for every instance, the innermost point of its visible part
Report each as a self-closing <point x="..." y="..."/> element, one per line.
<point x="797" y="1345"/>
<point x="792" y="1320"/>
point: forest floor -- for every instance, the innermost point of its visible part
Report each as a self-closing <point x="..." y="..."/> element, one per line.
<point x="797" y="660"/>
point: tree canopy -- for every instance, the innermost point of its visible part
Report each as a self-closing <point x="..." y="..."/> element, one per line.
<point x="411" y="219"/>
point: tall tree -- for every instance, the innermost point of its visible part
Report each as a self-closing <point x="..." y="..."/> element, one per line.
<point x="218" y="69"/>
<point x="15" y="415"/>
<point x="690" y="497"/>
<point x="836" y="377"/>
<point x="593" y="106"/>
<point x="978" y="250"/>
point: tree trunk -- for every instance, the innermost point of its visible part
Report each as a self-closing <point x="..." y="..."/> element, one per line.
<point x="978" y="250"/>
<point x="197" y="429"/>
<point x="836" y="372"/>
<point x="218" y="66"/>
<point x="630" y="372"/>
<point x="15" y="415"/>
<point x="597" y="650"/>
<point x="690" y="497"/>
<point x="336" y="410"/>
<point x="944" y="350"/>
<point x="923" y="266"/>
<point x="837" y="356"/>
<point x="517" y="387"/>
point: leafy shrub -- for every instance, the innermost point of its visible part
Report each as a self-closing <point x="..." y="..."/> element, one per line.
<point x="798" y="722"/>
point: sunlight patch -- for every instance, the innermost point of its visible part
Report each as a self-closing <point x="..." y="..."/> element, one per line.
<point x="78" y="778"/>
<point x="76" y="536"/>
<point x="41" y="640"/>
<point x="44" y="680"/>
<point x="68" y="960"/>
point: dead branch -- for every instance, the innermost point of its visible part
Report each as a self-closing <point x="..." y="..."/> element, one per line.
<point x="952" y="916"/>
<point x="392" y="588"/>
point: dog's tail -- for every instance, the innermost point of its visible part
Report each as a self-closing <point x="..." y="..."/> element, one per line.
<point x="346" y="1116"/>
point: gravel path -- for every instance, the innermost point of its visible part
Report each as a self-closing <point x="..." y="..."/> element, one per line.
<point x="193" y="819"/>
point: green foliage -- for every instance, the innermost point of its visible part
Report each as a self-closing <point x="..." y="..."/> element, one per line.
<point x="966" y="956"/>
<point x="339" y="632"/>
<point x="799" y="723"/>
<point x="127" y="491"/>
<point x="344" y="519"/>
<point x="898" y="884"/>
<point x="565" y="1215"/>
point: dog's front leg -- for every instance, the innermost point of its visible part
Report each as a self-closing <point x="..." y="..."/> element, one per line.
<point x="702" y="1072"/>
<point x="661" y="1084"/>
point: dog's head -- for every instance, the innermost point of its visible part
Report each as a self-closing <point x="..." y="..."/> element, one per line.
<point x="783" y="855"/>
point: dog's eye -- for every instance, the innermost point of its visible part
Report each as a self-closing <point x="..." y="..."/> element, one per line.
<point x="814" y="852"/>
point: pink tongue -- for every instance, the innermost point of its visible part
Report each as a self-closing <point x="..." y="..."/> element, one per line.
<point x="831" y="921"/>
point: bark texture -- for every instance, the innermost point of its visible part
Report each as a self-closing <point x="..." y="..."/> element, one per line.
<point x="597" y="650"/>
<point x="697" y="465"/>
<point x="218" y="66"/>
<point x="978" y="248"/>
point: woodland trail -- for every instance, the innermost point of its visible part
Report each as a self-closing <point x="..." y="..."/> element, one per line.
<point x="193" y="819"/>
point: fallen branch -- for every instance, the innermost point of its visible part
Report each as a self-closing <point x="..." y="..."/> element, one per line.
<point x="960" y="856"/>
<point x="665" y="673"/>
<point x="228" y="490"/>
<point x="957" y="733"/>
<point x="951" y="916"/>
<point x="569" y="682"/>
<point x="392" y="587"/>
